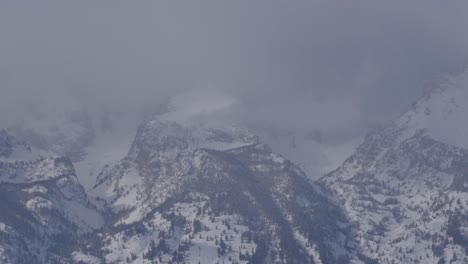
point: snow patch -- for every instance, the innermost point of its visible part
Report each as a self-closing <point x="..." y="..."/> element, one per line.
<point x="88" y="259"/>
<point x="39" y="203"/>
<point x="36" y="189"/>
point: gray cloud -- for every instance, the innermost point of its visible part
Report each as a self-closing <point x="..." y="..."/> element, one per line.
<point x="337" y="66"/>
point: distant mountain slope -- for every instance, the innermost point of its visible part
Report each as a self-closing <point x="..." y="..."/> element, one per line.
<point x="44" y="211"/>
<point x="406" y="186"/>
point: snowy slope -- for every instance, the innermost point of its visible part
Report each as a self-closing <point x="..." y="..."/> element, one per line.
<point x="441" y="113"/>
<point x="213" y="194"/>
<point x="44" y="209"/>
<point x="191" y="187"/>
<point x="406" y="186"/>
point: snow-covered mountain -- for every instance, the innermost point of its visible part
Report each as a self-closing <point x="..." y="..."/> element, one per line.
<point x="406" y="186"/>
<point x="208" y="194"/>
<point x="192" y="187"/>
<point x="64" y="132"/>
<point x="89" y="140"/>
<point x="44" y="210"/>
<point x="187" y="191"/>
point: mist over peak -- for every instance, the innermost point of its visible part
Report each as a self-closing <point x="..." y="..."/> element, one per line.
<point x="286" y="65"/>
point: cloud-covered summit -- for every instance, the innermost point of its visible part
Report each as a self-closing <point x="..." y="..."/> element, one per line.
<point x="324" y="65"/>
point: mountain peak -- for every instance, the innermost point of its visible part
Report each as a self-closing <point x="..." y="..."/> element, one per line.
<point x="162" y="135"/>
<point x="441" y="113"/>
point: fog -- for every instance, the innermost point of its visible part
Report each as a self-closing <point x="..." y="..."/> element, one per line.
<point x="339" y="67"/>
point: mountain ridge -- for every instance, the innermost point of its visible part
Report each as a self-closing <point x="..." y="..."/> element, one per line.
<point x="405" y="185"/>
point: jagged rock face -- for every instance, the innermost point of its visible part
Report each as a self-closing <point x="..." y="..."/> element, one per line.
<point x="163" y="156"/>
<point x="406" y="187"/>
<point x="44" y="211"/>
<point x="175" y="201"/>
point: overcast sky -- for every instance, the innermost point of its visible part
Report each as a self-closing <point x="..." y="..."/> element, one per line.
<point x="336" y="66"/>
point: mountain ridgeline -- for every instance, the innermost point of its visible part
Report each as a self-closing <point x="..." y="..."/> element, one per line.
<point x="208" y="192"/>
